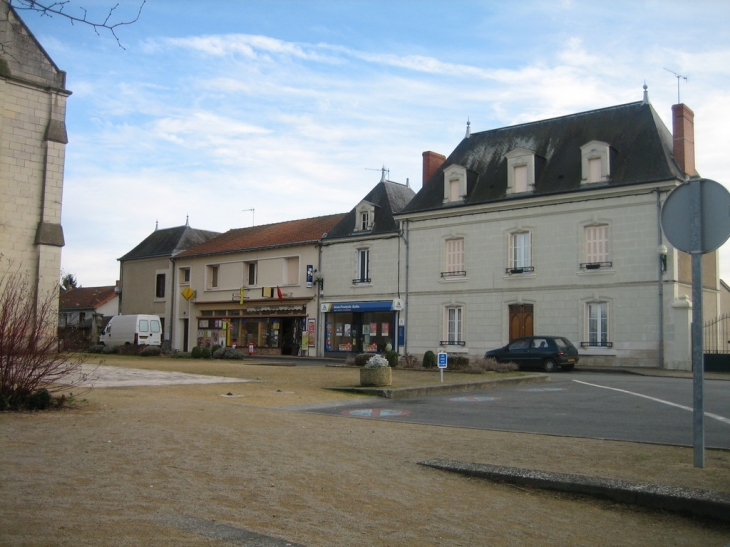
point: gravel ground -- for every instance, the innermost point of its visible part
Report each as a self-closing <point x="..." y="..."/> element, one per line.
<point x="191" y="465"/>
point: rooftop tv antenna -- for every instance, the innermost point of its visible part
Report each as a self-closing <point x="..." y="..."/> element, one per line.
<point x="679" y="76"/>
<point x="383" y="170"/>
<point x="253" y="223"/>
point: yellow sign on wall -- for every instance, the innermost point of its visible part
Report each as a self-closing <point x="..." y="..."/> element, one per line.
<point x="188" y="293"/>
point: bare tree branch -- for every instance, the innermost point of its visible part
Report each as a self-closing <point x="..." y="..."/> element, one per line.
<point x="30" y="359"/>
<point x="48" y="8"/>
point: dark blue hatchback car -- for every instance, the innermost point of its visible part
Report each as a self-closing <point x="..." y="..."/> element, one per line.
<point x="549" y="353"/>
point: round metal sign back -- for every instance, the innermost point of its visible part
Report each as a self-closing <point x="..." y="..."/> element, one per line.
<point x="677" y="216"/>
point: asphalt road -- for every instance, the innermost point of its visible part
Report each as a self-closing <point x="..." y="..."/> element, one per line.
<point x="577" y="404"/>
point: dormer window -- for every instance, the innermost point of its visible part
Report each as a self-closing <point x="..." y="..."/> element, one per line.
<point x="364" y="217"/>
<point x="520" y="171"/>
<point x="454" y="184"/>
<point x="595" y="162"/>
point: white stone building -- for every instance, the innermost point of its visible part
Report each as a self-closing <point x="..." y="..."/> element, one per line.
<point x="553" y="227"/>
<point x="251" y="287"/>
<point x="363" y="278"/>
<point x="33" y="134"/>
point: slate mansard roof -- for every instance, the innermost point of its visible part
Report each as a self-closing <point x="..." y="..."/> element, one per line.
<point x="282" y="234"/>
<point x="388" y="198"/>
<point x="168" y="242"/>
<point x="640" y="143"/>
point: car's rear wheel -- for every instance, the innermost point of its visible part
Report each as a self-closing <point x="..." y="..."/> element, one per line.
<point x="549" y="365"/>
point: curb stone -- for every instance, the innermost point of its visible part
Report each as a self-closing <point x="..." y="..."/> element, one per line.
<point x="437" y="389"/>
<point x="701" y="503"/>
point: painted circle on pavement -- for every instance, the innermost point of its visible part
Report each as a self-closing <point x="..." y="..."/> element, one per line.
<point x="375" y="412"/>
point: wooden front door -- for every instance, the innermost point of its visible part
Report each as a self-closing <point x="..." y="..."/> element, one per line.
<point x="521" y="320"/>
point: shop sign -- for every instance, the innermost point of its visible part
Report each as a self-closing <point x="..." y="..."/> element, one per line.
<point x="377" y="305"/>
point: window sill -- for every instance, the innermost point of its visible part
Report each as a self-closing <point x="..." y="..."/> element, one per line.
<point x="597" y="351"/>
<point x="525" y="275"/>
<point x="451" y="348"/>
<point x="453" y="279"/>
<point x="598" y="271"/>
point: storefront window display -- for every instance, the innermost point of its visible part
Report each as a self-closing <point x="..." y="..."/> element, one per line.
<point x="262" y="332"/>
<point x="359" y="332"/>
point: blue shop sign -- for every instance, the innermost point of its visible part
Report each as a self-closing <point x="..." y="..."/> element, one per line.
<point x="378" y="305"/>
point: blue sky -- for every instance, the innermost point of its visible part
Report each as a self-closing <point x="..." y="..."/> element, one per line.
<point x="291" y="107"/>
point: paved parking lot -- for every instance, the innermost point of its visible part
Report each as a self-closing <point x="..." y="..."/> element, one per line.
<point x="577" y="404"/>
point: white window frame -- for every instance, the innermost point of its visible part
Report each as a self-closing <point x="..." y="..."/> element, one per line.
<point x="454" y="184"/>
<point x="247" y="273"/>
<point x="596" y="238"/>
<point x="291" y="270"/>
<point x="520" y="251"/>
<point x="362" y="272"/>
<point x="364" y="217"/>
<point x="590" y="153"/>
<point x="597" y="324"/>
<point x="454" y="257"/>
<point x="185" y="270"/>
<point x="454" y="325"/>
<point x="213" y="271"/>
<point x="520" y="171"/>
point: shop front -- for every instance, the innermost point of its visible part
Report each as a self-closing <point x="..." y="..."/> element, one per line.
<point x="267" y="329"/>
<point x="360" y="327"/>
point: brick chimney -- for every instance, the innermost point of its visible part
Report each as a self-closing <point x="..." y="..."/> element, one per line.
<point x="683" y="128"/>
<point x="431" y="162"/>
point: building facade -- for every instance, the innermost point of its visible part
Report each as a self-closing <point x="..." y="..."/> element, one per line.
<point x="33" y="98"/>
<point x="251" y="288"/>
<point x="83" y="313"/>
<point x="146" y="273"/>
<point x="554" y="227"/>
<point x="362" y="278"/>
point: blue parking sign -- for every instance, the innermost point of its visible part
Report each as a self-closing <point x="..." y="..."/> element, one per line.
<point x="443" y="359"/>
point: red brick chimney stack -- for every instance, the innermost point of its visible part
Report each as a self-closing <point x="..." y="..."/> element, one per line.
<point x="431" y="162"/>
<point x="683" y="128"/>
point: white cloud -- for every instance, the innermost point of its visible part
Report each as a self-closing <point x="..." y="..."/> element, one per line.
<point x="289" y="128"/>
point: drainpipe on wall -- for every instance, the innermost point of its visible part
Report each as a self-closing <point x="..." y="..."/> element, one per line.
<point x="660" y="266"/>
<point x="173" y="300"/>
<point x="404" y="235"/>
<point x="320" y="325"/>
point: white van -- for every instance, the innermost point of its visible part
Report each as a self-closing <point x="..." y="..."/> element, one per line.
<point x="132" y="330"/>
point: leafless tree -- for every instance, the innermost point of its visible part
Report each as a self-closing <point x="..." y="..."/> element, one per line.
<point x="63" y="9"/>
<point x="30" y="359"/>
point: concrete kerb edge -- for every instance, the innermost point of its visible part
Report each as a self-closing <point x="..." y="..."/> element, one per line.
<point x="702" y="503"/>
<point x="421" y="391"/>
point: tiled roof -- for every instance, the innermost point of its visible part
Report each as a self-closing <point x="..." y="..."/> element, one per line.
<point x="641" y="148"/>
<point x="86" y="298"/>
<point x="168" y="242"/>
<point x="293" y="232"/>
<point x="389" y="198"/>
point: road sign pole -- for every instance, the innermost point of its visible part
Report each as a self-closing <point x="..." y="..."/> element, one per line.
<point x="698" y="368"/>
<point x="442" y="360"/>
